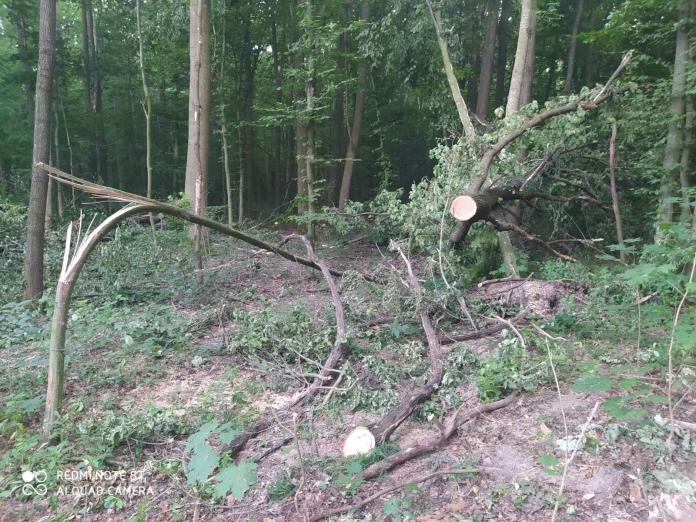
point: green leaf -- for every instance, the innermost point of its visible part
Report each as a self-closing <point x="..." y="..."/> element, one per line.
<point x="592" y="384"/>
<point x="616" y="407"/>
<point x="550" y="463"/>
<point x="199" y="438"/>
<point x="203" y="461"/>
<point x="236" y="478"/>
<point x="656" y="399"/>
<point x="354" y="467"/>
<point x="227" y="432"/>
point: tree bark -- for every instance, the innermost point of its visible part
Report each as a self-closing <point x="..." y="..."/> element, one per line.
<point x="484" y="86"/>
<point x="34" y="260"/>
<point x="677" y="108"/>
<point x="354" y="137"/>
<point x="523" y="62"/>
<point x="501" y="65"/>
<point x="614" y="193"/>
<point x="570" y="65"/>
<point x="196" y="184"/>
<point x="685" y="161"/>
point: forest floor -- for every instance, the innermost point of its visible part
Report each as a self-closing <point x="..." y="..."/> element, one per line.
<point x="143" y="378"/>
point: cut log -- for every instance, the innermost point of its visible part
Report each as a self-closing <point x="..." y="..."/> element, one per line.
<point x="463" y="208"/>
<point x="467" y="207"/>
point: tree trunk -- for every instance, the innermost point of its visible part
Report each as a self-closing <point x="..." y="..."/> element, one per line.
<point x="519" y="94"/>
<point x="451" y="78"/>
<point x="57" y="162"/>
<point x="524" y="63"/>
<point x="484" y="86"/>
<point x="685" y="160"/>
<point x="501" y="65"/>
<point x="677" y="108"/>
<point x="196" y="183"/>
<point x="354" y="137"/>
<point x="33" y="264"/>
<point x="570" y="65"/>
<point x="614" y="192"/>
<point x="337" y="123"/>
<point x="528" y="73"/>
<point x="147" y="106"/>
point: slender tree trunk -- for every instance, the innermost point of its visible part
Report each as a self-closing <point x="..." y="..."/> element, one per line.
<point x="501" y="65"/>
<point x="354" y="137"/>
<point x="451" y="78"/>
<point x="278" y="163"/>
<point x="484" y="86"/>
<point x="34" y="257"/>
<point x="242" y="163"/>
<point x="337" y="123"/>
<point x="677" y="108"/>
<point x="614" y="192"/>
<point x="56" y="146"/>
<point x="147" y="105"/>
<point x="570" y="65"/>
<point x="223" y="124"/>
<point x="685" y="161"/>
<point x="199" y="115"/>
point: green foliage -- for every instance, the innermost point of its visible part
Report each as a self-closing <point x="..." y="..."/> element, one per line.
<point x="510" y="368"/>
<point x="281" y="488"/>
<point x="205" y="459"/>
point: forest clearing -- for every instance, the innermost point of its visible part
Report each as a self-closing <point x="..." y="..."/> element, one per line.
<point x="297" y="260"/>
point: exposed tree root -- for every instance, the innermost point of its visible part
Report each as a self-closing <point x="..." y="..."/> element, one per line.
<point x="386" y="491"/>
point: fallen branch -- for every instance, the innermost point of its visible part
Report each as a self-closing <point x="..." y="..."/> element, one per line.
<point x="499" y="225"/>
<point x="477" y="184"/>
<point x="383" y="429"/>
<point x="386" y="491"/>
<point x="333" y="359"/>
<point x="451" y="424"/>
<point x="156" y="206"/>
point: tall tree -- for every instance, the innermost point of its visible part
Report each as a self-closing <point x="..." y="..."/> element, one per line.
<point x="34" y="260"/>
<point x="520" y="81"/>
<point x="147" y="103"/>
<point x="570" y="63"/>
<point x="484" y="86"/>
<point x="196" y="184"/>
<point x="677" y="110"/>
<point x="502" y="38"/>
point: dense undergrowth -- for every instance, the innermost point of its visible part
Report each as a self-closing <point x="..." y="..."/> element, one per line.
<point x="140" y="321"/>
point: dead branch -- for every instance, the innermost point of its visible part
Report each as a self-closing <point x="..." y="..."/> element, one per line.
<point x="499" y="225"/>
<point x="451" y="424"/>
<point x="127" y="197"/>
<point x="332" y="361"/>
<point x="476" y="185"/>
<point x="397" y="415"/>
<point x="386" y="491"/>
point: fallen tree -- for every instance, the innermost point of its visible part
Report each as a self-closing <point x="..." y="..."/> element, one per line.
<point x="483" y="201"/>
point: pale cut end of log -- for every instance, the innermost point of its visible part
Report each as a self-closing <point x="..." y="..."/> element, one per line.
<point x="360" y="441"/>
<point x="463" y="208"/>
